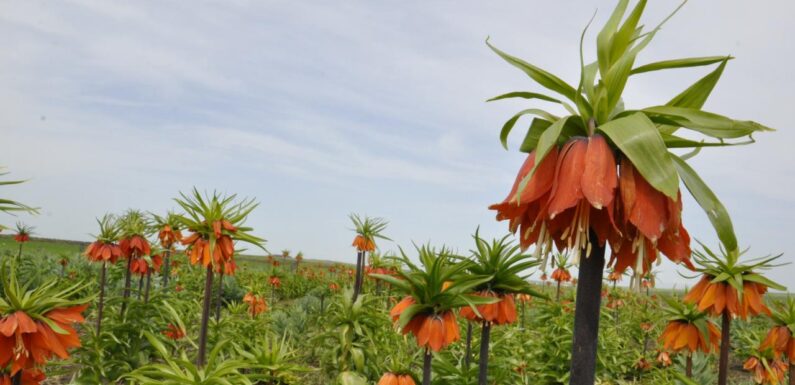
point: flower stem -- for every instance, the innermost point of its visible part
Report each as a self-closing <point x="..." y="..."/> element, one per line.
<point x="468" y="356"/>
<point x="792" y="373"/>
<point x="558" y="295"/>
<point x="208" y="295"/>
<point x="426" y="368"/>
<point x="357" y="286"/>
<point x="723" y="365"/>
<point x="220" y="296"/>
<point x="101" y="306"/>
<point x="689" y="367"/>
<point x="483" y="369"/>
<point x="166" y="269"/>
<point x="148" y="285"/>
<point x="586" y="314"/>
<point x="127" y="283"/>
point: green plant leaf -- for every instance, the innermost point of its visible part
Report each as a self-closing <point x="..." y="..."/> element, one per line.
<point x="544" y="78"/>
<point x="707" y="123"/>
<point x="524" y="95"/>
<point x="638" y="138"/>
<point x="708" y="201"/>
<point x="508" y="126"/>
<point x="679" y="63"/>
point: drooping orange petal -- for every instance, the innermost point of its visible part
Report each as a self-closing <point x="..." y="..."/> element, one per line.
<point x="567" y="188"/>
<point x="599" y="178"/>
<point x="649" y="213"/>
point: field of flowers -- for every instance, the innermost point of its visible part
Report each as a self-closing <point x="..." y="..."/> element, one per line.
<point x="566" y="296"/>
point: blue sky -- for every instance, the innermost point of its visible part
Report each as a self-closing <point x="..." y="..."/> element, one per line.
<point x="319" y="109"/>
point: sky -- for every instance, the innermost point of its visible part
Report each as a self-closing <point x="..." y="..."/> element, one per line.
<point x="321" y="109"/>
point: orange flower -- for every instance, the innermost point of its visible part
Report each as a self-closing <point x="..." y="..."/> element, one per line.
<point x="134" y="246"/>
<point x="614" y="276"/>
<point x="29" y="377"/>
<point x="615" y="303"/>
<point x="643" y="364"/>
<point x="775" y="374"/>
<point x="363" y="244"/>
<point x="524" y="298"/>
<point x="275" y="281"/>
<point x="333" y="287"/>
<point x="21" y="238"/>
<point x="256" y="304"/>
<point x="396" y="379"/>
<point x="664" y="359"/>
<point x="717" y="297"/>
<point x="174" y="332"/>
<point x="199" y="248"/>
<point x="680" y="335"/>
<point x="561" y="275"/>
<point x="433" y="331"/>
<point x="25" y="342"/>
<point x="499" y="313"/>
<point x="780" y="340"/>
<point x="402" y="305"/>
<point x="650" y="222"/>
<point x="99" y="251"/>
<point x="168" y="236"/>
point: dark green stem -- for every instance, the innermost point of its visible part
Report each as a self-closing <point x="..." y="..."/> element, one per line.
<point x="208" y="295"/>
<point x="483" y="368"/>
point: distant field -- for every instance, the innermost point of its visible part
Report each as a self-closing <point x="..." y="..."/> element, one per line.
<point x="57" y="247"/>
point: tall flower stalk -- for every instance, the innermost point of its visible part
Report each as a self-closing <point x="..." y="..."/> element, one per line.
<point x="729" y="289"/>
<point x="103" y="250"/>
<point x="602" y="174"/>
<point x="169" y="233"/>
<point x="503" y="262"/>
<point x="133" y="244"/>
<point x="433" y="290"/>
<point x="22" y="236"/>
<point x="215" y="223"/>
<point x="367" y="231"/>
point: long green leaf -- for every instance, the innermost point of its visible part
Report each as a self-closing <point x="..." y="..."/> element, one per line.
<point x="524" y="95"/>
<point x="544" y="78"/>
<point x="638" y="138"/>
<point x="508" y="126"/>
<point x="679" y="63"/>
<point x="708" y="201"/>
<point x="707" y="123"/>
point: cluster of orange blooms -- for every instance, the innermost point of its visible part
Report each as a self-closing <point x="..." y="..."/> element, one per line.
<point x="432" y="331"/>
<point x="581" y="187"/>
<point x="561" y="275"/>
<point x="680" y="335"/>
<point x="140" y="266"/>
<point x="174" y="332"/>
<point x="169" y="236"/>
<point x="200" y="252"/>
<point x="134" y="246"/>
<point x="719" y="296"/>
<point x="773" y="374"/>
<point x="361" y="243"/>
<point x="29" y="377"/>
<point x="256" y="304"/>
<point x="99" y="251"/>
<point x="499" y="313"/>
<point x="26" y="343"/>
<point x="396" y="379"/>
<point x="781" y="341"/>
